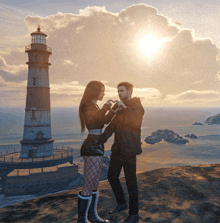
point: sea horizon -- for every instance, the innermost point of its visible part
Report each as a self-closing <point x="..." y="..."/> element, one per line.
<point x="66" y="128"/>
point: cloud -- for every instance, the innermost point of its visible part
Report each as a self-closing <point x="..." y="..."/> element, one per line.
<point x="2" y="62"/>
<point x="13" y="29"/>
<point x="2" y="82"/>
<point x="13" y="66"/>
<point x="12" y="93"/>
<point x="100" y="45"/>
<point x="105" y="46"/>
<point x="92" y="10"/>
<point x="72" y="88"/>
<point x="71" y="93"/>
<point x="69" y="62"/>
<point x="147" y="92"/>
<point x="195" y="98"/>
<point x="12" y="72"/>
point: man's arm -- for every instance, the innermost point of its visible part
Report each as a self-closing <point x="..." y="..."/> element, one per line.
<point x="133" y="115"/>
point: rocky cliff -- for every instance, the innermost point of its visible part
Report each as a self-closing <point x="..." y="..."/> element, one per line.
<point x="213" y="120"/>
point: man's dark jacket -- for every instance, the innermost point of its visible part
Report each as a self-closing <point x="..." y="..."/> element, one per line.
<point x="127" y="128"/>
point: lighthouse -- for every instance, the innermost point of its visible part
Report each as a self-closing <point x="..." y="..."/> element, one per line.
<point x="37" y="139"/>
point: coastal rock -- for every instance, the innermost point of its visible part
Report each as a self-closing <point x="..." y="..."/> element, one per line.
<point x="152" y="139"/>
<point x="192" y="136"/>
<point x="163" y="133"/>
<point x="197" y="123"/>
<point x="177" y="140"/>
<point x="213" y="120"/>
<point x="167" y="135"/>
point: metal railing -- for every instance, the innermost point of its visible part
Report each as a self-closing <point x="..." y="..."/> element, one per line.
<point x="13" y="157"/>
<point x="27" y="47"/>
<point x="48" y="49"/>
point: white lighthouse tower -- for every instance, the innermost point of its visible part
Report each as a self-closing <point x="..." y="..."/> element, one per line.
<point x="37" y="140"/>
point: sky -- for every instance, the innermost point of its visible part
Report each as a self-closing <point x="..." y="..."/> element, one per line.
<point x="101" y="40"/>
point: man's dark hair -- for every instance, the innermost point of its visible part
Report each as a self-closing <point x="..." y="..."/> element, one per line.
<point x="127" y="85"/>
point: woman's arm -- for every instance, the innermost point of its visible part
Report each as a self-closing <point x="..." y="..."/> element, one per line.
<point x="92" y="114"/>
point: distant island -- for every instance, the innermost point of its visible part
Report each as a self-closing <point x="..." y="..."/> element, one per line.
<point x="213" y="120"/>
<point x="192" y="136"/>
<point x="167" y="135"/>
<point x="197" y="123"/>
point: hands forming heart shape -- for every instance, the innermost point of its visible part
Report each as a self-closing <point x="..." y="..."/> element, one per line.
<point x="119" y="103"/>
<point x="114" y="102"/>
<point x="111" y="103"/>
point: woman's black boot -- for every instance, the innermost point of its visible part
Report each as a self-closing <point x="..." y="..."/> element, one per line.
<point x="92" y="214"/>
<point x="83" y="207"/>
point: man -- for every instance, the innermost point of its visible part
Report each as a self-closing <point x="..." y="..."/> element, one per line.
<point x="127" y="128"/>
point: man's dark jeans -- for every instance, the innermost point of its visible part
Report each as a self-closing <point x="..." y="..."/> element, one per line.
<point x="129" y="165"/>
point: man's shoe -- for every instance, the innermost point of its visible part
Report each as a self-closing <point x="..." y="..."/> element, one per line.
<point x="132" y="218"/>
<point x="119" y="208"/>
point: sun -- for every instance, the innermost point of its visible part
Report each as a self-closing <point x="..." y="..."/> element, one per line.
<point x="150" y="44"/>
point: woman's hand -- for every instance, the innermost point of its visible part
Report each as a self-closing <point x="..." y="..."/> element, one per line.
<point x="109" y="102"/>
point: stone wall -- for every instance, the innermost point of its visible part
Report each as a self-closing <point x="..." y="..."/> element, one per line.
<point x="41" y="183"/>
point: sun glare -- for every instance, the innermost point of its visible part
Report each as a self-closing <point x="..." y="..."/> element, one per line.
<point x="150" y="44"/>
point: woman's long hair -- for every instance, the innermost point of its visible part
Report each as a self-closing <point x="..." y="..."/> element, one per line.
<point x="92" y="91"/>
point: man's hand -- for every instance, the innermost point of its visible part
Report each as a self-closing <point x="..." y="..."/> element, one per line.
<point x="118" y="109"/>
<point x="121" y="104"/>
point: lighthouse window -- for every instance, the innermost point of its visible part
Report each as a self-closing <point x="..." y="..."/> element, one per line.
<point x="43" y="39"/>
<point x="33" y="114"/>
<point x="39" y="39"/>
<point x="40" y="135"/>
<point x="34" y="81"/>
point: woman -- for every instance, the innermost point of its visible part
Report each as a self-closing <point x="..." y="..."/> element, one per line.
<point x="93" y="118"/>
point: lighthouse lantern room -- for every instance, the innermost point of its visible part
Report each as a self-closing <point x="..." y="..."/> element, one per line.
<point x="37" y="140"/>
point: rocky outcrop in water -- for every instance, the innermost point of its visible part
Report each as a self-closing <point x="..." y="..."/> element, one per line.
<point x="152" y="139"/>
<point x="213" y="120"/>
<point x="166" y="135"/>
<point x="192" y="136"/>
<point x="197" y="123"/>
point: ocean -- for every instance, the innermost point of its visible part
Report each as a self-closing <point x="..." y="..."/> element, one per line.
<point x="66" y="129"/>
<point x="66" y="132"/>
